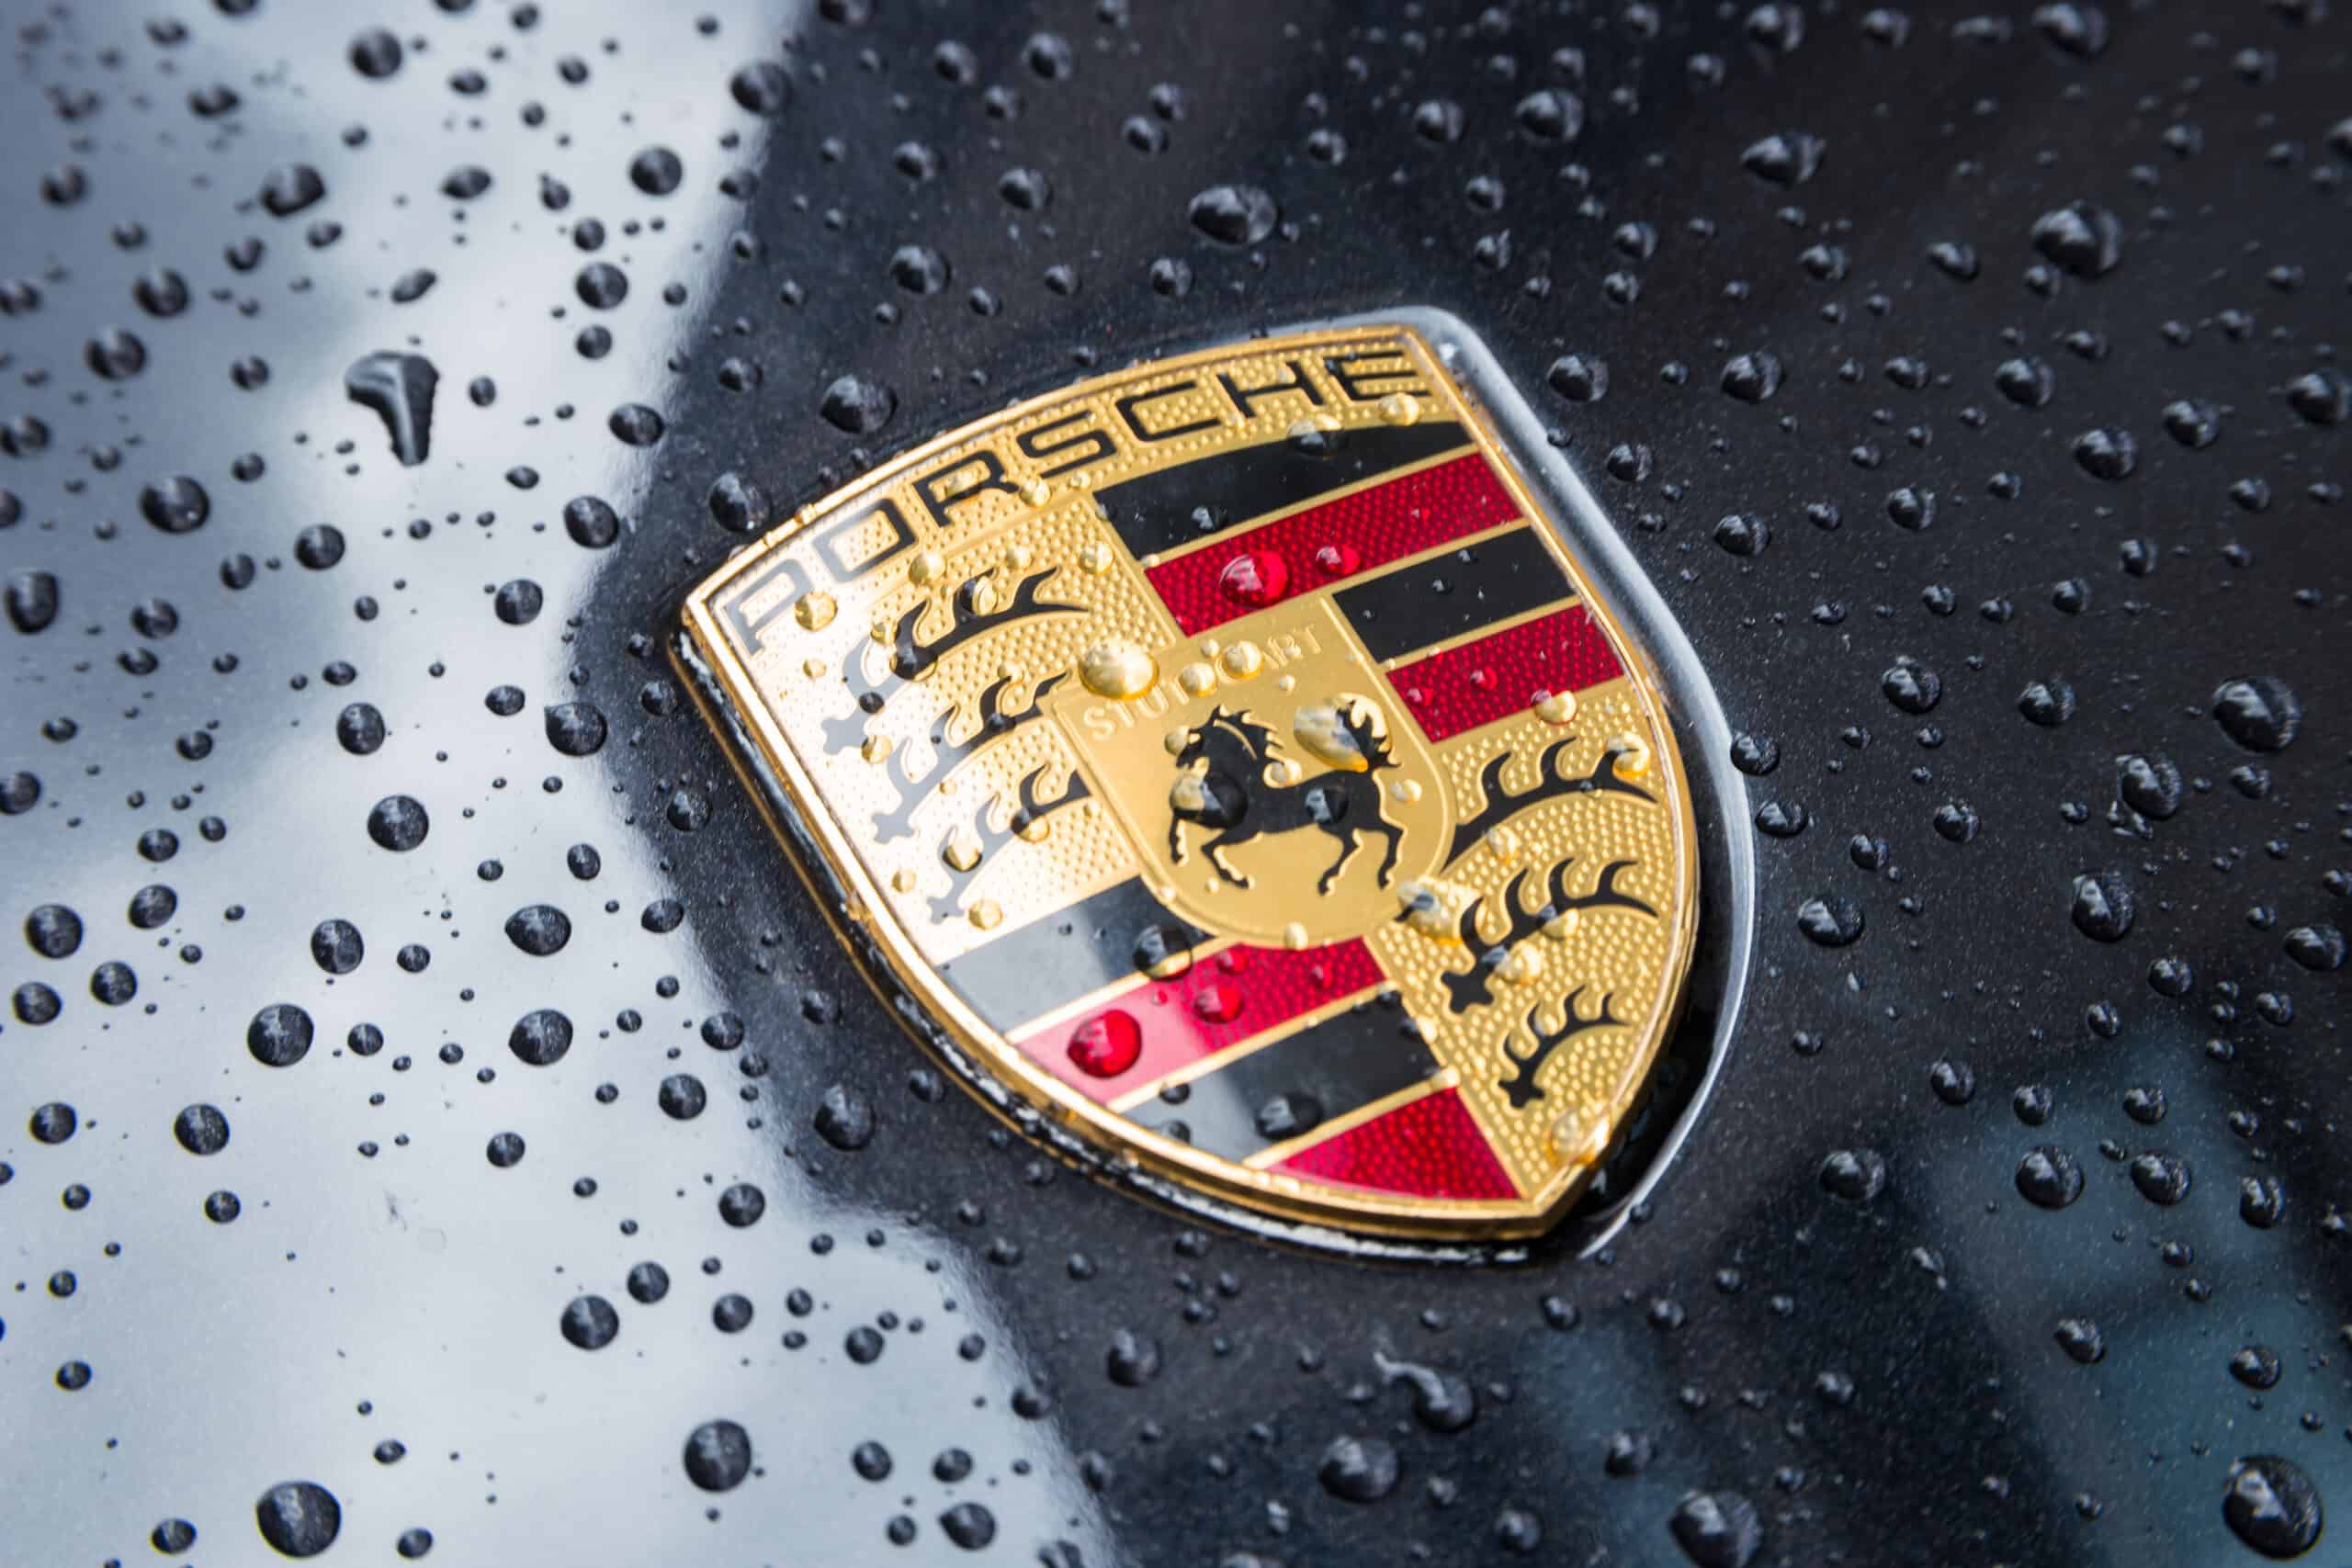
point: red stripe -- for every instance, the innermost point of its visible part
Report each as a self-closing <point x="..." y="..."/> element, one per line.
<point x="1218" y="1003"/>
<point x="1429" y="1147"/>
<point x="1330" y="543"/>
<point x="1506" y="674"/>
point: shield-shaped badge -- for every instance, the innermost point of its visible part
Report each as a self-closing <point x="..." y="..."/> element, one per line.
<point x="1230" y="759"/>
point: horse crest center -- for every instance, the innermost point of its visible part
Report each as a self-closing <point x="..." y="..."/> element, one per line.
<point x="1260" y="777"/>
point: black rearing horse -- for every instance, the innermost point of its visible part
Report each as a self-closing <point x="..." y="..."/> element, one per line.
<point x="1229" y="795"/>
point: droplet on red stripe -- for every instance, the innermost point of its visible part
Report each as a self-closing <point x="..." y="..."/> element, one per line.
<point x="1482" y="679"/>
<point x="1233" y="960"/>
<point x="1217" y="1003"/>
<point x="1106" y="1044"/>
<point x="1254" y="577"/>
<point x="1338" y="560"/>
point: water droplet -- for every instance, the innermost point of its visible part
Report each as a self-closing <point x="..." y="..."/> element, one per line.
<point x="1234" y="215"/>
<point x="398" y="387"/>
<point x="1717" y="1529"/>
<point x="176" y="504"/>
<point x="2109" y="455"/>
<point x="2081" y="1339"/>
<point x="858" y="407"/>
<point x="1358" y="1469"/>
<point x="1752" y="377"/>
<point x="2272" y="1506"/>
<point x="2048" y="1177"/>
<point x="1831" y="920"/>
<point x="589" y="1322"/>
<point x="299" y="1518"/>
<point x="2086" y="241"/>
<point x="540" y="1038"/>
<point x="399" y="823"/>
<point x="2103" y="905"/>
<point x="656" y="170"/>
<point x="1857" y="1175"/>
<point x="1254" y="577"/>
<point x="539" y="930"/>
<point x="2261" y="713"/>
<point x="845" y="1118"/>
<point x="1110" y="1043"/>
<point x="717" y="1456"/>
<point x="290" y="189"/>
<point x="375" y="53"/>
<point x="1784" y="158"/>
<point x="1117" y="669"/>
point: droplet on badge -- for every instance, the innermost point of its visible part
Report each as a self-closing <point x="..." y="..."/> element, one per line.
<point x="877" y="746"/>
<point x="1241" y="662"/>
<point x="1567" y="1132"/>
<point x="1032" y="829"/>
<point x="1434" y="907"/>
<point x="881" y="631"/>
<point x="1294" y="937"/>
<point x="1400" y="407"/>
<point x="813" y="668"/>
<point x="1632" y="755"/>
<point x="1345" y="732"/>
<point x="1016" y="558"/>
<point x="1118" y="669"/>
<point x="1579" y="1138"/>
<point x="1189" y="795"/>
<point x="960" y="853"/>
<point x="1094" y="560"/>
<point x="1163" y="952"/>
<point x="1036" y="492"/>
<point x="1519" y="964"/>
<point x="1176" y="739"/>
<point x="982" y="594"/>
<point x="985" y="915"/>
<point x="925" y="568"/>
<point x="1106" y="1044"/>
<point x="1555" y="707"/>
<point x="814" y="610"/>
<point x="1218" y="1002"/>
<point x="1311" y="430"/>
<point x="903" y="880"/>
<point x="1338" y="560"/>
<point x="1283" y="773"/>
<point x="1254" y="577"/>
<point x="1405" y="791"/>
<point x="1561" y="926"/>
<point x="1197" y="679"/>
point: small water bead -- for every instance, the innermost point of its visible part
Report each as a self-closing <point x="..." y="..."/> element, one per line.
<point x="1117" y="670"/>
<point x="2272" y="1506"/>
<point x="299" y="1518"/>
<point x="2048" y="1177"/>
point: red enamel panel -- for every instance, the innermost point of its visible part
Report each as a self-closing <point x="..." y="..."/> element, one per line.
<point x="1329" y="543"/>
<point x="1429" y="1147"/>
<point x="1496" y="676"/>
<point x="1221" y="1001"/>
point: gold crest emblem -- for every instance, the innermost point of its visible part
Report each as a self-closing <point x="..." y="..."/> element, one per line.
<point x="1230" y="758"/>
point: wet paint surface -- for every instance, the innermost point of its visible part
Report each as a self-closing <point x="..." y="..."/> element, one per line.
<point x="1962" y="382"/>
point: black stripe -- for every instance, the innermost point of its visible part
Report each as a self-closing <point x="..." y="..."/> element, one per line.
<point x="1452" y="594"/>
<point x="1035" y="968"/>
<point x="1325" y="1070"/>
<point x="1157" y="511"/>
